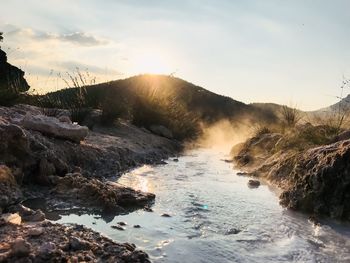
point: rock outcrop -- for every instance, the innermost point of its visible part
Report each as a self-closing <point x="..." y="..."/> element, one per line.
<point x="61" y="128"/>
<point x="314" y="180"/>
<point x="97" y="195"/>
<point x="12" y="81"/>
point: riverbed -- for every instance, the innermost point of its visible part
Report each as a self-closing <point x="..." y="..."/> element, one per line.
<point x="216" y="217"/>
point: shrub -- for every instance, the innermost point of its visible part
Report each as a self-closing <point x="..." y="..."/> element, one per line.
<point x="290" y="116"/>
<point x="73" y="97"/>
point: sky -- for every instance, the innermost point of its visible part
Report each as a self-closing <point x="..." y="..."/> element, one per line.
<point x="281" y="51"/>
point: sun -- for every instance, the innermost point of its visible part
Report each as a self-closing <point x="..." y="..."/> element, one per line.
<point x="151" y="64"/>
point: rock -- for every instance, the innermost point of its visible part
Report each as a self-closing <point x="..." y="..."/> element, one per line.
<point x="166" y="215"/>
<point x="47" y="248"/>
<point x="161" y="131"/>
<point x="36" y="216"/>
<point x="52" y="126"/>
<point x="137" y="226"/>
<point x="93" y="118"/>
<point x="65" y="119"/>
<point x="12" y="81"/>
<point x="242" y="174"/>
<point x="122" y="223"/>
<point x="253" y="183"/>
<point x="232" y="231"/>
<point x="118" y="227"/>
<point x="12" y="218"/>
<point x="35" y="231"/>
<point x="10" y="192"/>
<point x="107" y="196"/>
<point x="148" y="209"/>
<point x="175" y="160"/>
<point x="20" y="248"/>
<point x="76" y="243"/>
<point x="319" y="180"/>
<point x="6" y="176"/>
<point x="46" y="169"/>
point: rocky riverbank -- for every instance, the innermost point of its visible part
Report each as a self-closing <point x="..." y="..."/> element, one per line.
<point x="48" y="242"/>
<point x="313" y="178"/>
<point x="67" y="166"/>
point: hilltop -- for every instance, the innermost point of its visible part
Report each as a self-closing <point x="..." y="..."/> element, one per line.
<point x="149" y="100"/>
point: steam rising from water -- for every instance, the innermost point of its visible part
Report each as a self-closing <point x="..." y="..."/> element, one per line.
<point x="224" y="134"/>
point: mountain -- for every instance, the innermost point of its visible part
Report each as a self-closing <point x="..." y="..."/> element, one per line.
<point x="208" y="106"/>
<point x="164" y="100"/>
<point x="342" y="105"/>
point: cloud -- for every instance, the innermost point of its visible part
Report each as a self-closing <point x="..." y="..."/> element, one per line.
<point x="73" y="65"/>
<point x="76" y="38"/>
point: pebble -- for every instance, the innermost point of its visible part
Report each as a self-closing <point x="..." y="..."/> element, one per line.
<point x="122" y="223"/>
<point x="78" y="244"/>
<point x="137" y="226"/>
<point x="47" y="248"/>
<point x="37" y="231"/>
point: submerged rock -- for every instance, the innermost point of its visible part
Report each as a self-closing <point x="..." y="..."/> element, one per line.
<point x="118" y="227"/>
<point x="253" y="183"/>
<point x="232" y="231"/>
<point x="165" y="215"/>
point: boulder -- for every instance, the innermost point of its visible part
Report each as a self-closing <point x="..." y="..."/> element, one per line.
<point x="53" y="126"/>
<point x="161" y="131"/>
<point x="12" y="81"/>
<point x="12" y="218"/>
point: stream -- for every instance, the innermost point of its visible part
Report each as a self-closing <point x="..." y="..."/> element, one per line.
<point x="216" y="217"/>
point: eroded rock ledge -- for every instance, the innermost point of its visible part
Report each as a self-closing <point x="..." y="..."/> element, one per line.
<point x="69" y="168"/>
<point x="314" y="180"/>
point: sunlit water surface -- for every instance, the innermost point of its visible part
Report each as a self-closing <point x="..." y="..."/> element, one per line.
<point x="209" y="204"/>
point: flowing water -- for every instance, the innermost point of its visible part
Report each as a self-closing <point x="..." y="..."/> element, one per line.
<point x="215" y="217"/>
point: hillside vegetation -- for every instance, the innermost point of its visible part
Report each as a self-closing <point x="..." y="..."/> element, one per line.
<point x="149" y="100"/>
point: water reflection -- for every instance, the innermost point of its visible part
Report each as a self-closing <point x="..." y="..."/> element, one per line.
<point x="217" y="218"/>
